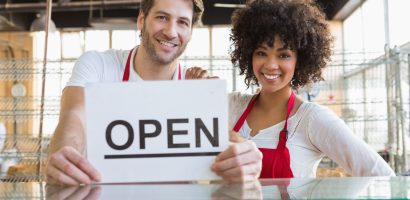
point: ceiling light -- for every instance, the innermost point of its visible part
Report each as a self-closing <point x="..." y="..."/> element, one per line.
<point x="39" y="24"/>
<point x="228" y="5"/>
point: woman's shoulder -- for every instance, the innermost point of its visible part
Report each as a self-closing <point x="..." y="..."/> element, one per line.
<point x="320" y="115"/>
<point x="237" y="104"/>
<point x="239" y="98"/>
<point x="315" y="109"/>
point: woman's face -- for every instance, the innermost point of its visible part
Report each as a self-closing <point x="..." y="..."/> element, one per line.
<point x="274" y="66"/>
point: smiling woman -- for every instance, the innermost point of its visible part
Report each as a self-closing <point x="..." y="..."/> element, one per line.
<point x="281" y="46"/>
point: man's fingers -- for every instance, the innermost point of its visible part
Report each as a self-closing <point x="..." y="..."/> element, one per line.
<point x="71" y="170"/>
<point x="196" y="73"/>
<point x="201" y="73"/>
<point x="188" y="73"/>
<point x="57" y="177"/>
<point x="69" y="167"/>
<point x="83" y="164"/>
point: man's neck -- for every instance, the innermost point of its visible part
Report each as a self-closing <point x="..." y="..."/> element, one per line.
<point x="148" y="69"/>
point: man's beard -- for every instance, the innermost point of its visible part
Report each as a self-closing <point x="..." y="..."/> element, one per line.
<point x="150" y="49"/>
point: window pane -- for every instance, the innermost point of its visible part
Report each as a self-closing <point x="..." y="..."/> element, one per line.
<point x="96" y="40"/>
<point x="220" y="41"/>
<point x="72" y="44"/>
<point x="125" y="39"/>
<point x="398" y="18"/>
<point x="199" y="44"/>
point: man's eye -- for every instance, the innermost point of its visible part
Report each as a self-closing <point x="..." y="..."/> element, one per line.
<point x="184" y="23"/>
<point x="163" y="18"/>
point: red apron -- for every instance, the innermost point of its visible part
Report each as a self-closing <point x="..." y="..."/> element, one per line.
<point x="275" y="162"/>
<point x="126" y="75"/>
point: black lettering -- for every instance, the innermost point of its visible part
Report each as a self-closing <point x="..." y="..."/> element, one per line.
<point x="108" y="135"/>
<point x="172" y="132"/>
<point x="199" y="125"/>
<point x="144" y="135"/>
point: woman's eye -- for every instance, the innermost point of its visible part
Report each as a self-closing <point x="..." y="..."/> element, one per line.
<point x="260" y="53"/>
<point x="284" y="56"/>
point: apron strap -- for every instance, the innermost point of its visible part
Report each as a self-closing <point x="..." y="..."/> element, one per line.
<point x="281" y="161"/>
<point x="245" y="114"/>
<point x="126" y="75"/>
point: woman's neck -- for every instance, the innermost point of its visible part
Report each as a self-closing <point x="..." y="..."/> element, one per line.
<point x="274" y="101"/>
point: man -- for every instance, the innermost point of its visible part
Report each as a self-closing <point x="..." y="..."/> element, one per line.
<point x="166" y="28"/>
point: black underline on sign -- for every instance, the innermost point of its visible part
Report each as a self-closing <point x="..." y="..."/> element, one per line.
<point x="159" y="155"/>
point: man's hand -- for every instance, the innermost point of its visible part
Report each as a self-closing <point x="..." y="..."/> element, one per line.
<point x="68" y="167"/>
<point x="197" y="73"/>
<point x="241" y="162"/>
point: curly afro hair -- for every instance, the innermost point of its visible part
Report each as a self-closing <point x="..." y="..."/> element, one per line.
<point x="299" y="23"/>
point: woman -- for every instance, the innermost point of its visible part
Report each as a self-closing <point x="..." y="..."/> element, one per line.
<point x="282" y="46"/>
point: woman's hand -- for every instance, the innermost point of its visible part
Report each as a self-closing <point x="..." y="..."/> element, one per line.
<point x="241" y="162"/>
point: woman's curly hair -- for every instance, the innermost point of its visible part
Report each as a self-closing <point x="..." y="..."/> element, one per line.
<point x="299" y="23"/>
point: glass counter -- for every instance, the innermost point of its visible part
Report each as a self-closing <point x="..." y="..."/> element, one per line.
<point x="296" y="188"/>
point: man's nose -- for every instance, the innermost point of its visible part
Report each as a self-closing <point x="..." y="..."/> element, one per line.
<point x="170" y="30"/>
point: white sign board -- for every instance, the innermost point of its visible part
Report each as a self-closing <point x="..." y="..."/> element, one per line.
<point x="152" y="131"/>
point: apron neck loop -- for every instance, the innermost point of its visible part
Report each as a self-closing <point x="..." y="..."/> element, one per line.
<point x="126" y="75"/>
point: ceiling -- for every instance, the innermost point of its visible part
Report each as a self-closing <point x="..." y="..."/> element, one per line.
<point x="89" y="13"/>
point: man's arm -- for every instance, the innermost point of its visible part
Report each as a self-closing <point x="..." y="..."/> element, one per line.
<point x="70" y="128"/>
<point x="66" y="162"/>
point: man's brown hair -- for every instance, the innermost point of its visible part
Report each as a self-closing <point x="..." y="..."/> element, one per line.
<point x="146" y="6"/>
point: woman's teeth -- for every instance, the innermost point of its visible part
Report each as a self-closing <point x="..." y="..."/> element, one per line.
<point x="271" y="77"/>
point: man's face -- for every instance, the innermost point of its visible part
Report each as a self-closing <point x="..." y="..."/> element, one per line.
<point x="167" y="29"/>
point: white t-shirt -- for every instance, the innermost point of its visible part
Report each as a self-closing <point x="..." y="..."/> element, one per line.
<point x="107" y="66"/>
<point x="314" y="131"/>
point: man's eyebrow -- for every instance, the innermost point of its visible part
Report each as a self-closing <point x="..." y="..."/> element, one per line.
<point x="165" y="13"/>
<point x="161" y="12"/>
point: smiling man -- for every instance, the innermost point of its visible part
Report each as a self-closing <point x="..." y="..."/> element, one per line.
<point x="166" y="28"/>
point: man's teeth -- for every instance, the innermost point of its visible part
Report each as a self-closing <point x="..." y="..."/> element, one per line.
<point x="168" y="44"/>
<point x="271" y="77"/>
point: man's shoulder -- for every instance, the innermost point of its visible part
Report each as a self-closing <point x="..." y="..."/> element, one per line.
<point x="105" y="55"/>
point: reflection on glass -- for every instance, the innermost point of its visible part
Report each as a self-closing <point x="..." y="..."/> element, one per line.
<point x="296" y="188"/>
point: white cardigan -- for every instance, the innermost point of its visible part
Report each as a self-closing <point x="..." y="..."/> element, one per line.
<point x="314" y="131"/>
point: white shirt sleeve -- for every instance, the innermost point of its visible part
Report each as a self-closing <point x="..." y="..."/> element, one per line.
<point x="332" y="137"/>
<point x="88" y="68"/>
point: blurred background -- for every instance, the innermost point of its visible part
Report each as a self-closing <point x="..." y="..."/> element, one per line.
<point x="366" y="84"/>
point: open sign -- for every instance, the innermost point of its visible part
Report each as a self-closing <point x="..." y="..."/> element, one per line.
<point x="156" y="131"/>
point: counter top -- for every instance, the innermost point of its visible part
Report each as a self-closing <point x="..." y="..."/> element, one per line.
<point x="296" y="188"/>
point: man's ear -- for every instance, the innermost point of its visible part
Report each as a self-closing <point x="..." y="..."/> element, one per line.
<point x="140" y="20"/>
